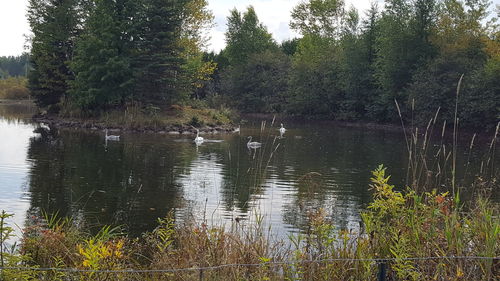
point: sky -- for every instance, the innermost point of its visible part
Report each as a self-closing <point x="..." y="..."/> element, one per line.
<point x="274" y="14"/>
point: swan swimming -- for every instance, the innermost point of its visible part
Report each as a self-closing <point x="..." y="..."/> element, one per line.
<point x="282" y="130"/>
<point x="111" y="137"/>
<point x="198" y="139"/>
<point x="253" y="144"/>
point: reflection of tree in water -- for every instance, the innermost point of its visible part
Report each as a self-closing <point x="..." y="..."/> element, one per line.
<point x="341" y="162"/>
<point x="313" y="195"/>
<point x="123" y="183"/>
<point x="244" y="174"/>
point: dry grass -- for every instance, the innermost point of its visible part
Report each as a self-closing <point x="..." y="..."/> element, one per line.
<point x="153" y="118"/>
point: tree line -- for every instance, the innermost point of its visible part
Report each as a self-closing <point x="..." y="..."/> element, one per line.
<point x="351" y="67"/>
<point x="14" y="66"/>
<point x="101" y="54"/>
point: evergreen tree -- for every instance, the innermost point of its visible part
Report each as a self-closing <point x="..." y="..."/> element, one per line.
<point x="160" y="64"/>
<point x="103" y="60"/>
<point x="55" y="26"/>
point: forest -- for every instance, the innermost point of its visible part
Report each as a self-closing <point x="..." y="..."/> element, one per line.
<point x="93" y="56"/>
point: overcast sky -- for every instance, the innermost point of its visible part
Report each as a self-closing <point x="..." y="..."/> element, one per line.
<point x="275" y="14"/>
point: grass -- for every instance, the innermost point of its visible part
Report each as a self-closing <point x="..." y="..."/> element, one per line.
<point x="153" y="118"/>
<point x="14" y="88"/>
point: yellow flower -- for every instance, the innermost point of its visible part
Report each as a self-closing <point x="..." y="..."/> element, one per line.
<point x="80" y="249"/>
<point x="119" y="245"/>
<point x="105" y="252"/>
<point x="118" y="254"/>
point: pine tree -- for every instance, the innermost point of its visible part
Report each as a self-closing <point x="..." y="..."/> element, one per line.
<point x="103" y="60"/>
<point x="159" y="54"/>
<point x="55" y="26"/>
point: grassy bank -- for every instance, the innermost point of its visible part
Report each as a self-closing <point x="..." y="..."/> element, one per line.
<point x="397" y="226"/>
<point x="178" y="118"/>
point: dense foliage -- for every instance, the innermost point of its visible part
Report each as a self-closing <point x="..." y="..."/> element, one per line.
<point x="351" y="67"/>
<point x="105" y="54"/>
<point x="96" y="55"/>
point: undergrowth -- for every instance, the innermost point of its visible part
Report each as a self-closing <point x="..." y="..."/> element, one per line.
<point x="397" y="226"/>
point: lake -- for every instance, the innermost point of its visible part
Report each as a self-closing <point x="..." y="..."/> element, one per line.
<point x="142" y="177"/>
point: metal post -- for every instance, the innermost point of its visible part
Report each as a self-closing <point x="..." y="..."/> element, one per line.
<point x="381" y="271"/>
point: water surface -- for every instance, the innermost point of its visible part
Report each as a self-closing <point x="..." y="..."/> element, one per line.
<point x="142" y="177"/>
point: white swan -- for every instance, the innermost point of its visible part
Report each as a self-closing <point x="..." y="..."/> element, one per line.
<point x="111" y="137"/>
<point x="237" y="130"/>
<point x="282" y="130"/>
<point x="198" y="139"/>
<point x="253" y="144"/>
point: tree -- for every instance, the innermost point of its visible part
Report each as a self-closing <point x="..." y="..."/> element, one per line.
<point x="247" y="39"/>
<point x="14" y="66"/>
<point x="160" y="63"/>
<point x="103" y="60"/>
<point x="261" y="84"/>
<point x="315" y="87"/>
<point x="55" y="25"/>
<point x="462" y="45"/>
<point x="314" y="81"/>
<point x="245" y="36"/>
<point x="355" y="59"/>
<point x="319" y="17"/>
<point x="393" y="60"/>
<point x="196" y="21"/>
<point x="289" y="47"/>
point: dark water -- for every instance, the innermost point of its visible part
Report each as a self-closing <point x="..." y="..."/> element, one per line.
<point x="134" y="181"/>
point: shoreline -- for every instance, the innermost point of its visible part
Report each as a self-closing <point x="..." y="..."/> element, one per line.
<point x="169" y="129"/>
<point x="464" y="134"/>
